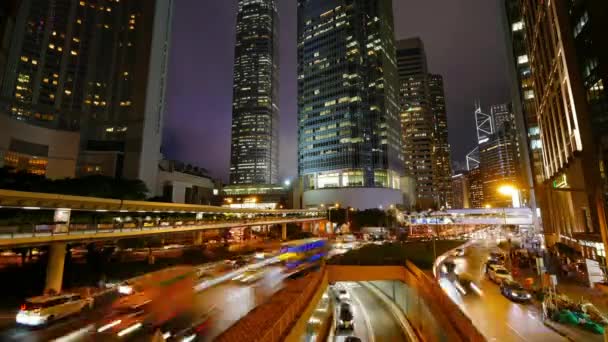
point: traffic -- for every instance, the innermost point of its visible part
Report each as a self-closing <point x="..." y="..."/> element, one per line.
<point x="165" y="302"/>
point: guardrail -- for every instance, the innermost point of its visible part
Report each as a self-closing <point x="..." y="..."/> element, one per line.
<point x="65" y="234"/>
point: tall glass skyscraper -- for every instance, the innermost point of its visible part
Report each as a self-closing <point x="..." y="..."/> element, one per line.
<point x="442" y="160"/>
<point x="254" y="157"/>
<point x="349" y="129"/>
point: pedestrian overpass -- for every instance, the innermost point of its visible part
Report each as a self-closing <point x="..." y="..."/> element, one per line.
<point x="485" y="216"/>
<point x="152" y="218"/>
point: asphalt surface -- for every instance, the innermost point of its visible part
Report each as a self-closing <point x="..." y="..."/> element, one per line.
<point x="228" y="302"/>
<point x="498" y="318"/>
<point x="373" y="320"/>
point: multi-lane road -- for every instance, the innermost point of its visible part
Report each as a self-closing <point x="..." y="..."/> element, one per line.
<point x="498" y="318"/>
<point x="228" y="301"/>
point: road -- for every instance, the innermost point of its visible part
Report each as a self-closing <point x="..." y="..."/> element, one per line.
<point x="373" y="320"/>
<point x="498" y="318"/>
<point x="230" y="301"/>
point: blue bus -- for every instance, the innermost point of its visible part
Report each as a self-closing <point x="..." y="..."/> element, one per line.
<point x="306" y="251"/>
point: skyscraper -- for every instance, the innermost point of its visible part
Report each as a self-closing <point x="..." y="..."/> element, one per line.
<point x="441" y="153"/>
<point x="416" y="118"/>
<point x="568" y="63"/>
<point x="99" y="67"/>
<point x="424" y="126"/>
<point x="499" y="160"/>
<point x="254" y="155"/>
<point x="349" y="139"/>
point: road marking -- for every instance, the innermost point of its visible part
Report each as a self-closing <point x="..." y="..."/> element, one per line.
<point x="368" y="323"/>
<point x="515" y="331"/>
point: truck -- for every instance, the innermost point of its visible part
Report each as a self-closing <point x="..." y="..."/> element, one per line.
<point x="150" y="301"/>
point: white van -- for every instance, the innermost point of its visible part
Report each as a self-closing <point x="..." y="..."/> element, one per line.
<point x="45" y="309"/>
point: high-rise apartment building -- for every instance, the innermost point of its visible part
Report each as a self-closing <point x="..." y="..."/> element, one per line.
<point x="349" y="137"/>
<point x="441" y="153"/>
<point x="254" y="155"/>
<point x="416" y="119"/>
<point x="568" y="70"/>
<point x="99" y="67"/>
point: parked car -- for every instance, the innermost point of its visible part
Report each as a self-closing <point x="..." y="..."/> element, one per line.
<point x="514" y="291"/>
<point x="42" y="310"/>
<point x="498" y="274"/>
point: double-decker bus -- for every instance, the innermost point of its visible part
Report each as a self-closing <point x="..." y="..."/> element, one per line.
<point x="303" y="252"/>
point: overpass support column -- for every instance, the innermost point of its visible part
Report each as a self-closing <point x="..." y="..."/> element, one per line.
<point x="198" y="238"/>
<point x="54" y="269"/>
<point x="284" y="231"/>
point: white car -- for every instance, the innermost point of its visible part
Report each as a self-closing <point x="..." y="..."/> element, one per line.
<point x="45" y="309"/>
<point x="498" y="274"/>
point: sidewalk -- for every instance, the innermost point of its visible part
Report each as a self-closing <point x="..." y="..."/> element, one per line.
<point x="576" y="292"/>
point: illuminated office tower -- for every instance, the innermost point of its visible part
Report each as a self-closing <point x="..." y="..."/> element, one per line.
<point x="441" y="152"/>
<point x="416" y="119"/>
<point x="564" y="47"/>
<point x="254" y="155"/>
<point x="94" y="67"/>
<point x="349" y="130"/>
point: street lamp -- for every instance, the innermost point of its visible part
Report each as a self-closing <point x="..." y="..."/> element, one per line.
<point x="510" y="190"/>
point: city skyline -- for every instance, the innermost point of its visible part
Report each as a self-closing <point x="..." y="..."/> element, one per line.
<point x="199" y="109"/>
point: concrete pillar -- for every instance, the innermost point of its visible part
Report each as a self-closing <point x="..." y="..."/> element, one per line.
<point x="198" y="238"/>
<point x="54" y="269"/>
<point x="284" y="231"/>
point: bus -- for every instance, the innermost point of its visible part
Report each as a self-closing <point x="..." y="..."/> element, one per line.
<point x="303" y="252"/>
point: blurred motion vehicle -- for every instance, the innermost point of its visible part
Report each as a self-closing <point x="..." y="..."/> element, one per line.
<point x="303" y="252"/>
<point x="345" y="317"/>
<point x="45" y="309"/>
<point x="150" y="301"/>
<point x="458" y="252"/>
<point x="465" y="284"/>
<point x="448" y="267"/>
<point x="498" y="274"/>
<point x="514" y="291"/>
<point x="250" y="276"/>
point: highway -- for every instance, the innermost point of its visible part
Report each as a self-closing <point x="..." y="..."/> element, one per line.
<point x="373" y="321"/>
<point x="498" y="318"/>
<point x="228" y="301"/>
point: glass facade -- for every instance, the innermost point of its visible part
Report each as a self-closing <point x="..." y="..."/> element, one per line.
<point x="441" y="153"/>
<point x="254" y="155"/>
<point x="349" y="132"/>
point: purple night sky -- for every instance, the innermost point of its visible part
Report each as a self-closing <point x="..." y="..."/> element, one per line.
<point x="463" y="41"/>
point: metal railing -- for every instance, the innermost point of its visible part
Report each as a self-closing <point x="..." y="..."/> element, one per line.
<point x="61" y="229"/>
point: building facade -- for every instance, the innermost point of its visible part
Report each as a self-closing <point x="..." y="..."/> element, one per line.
<point x="441" y="152"/>
<point x="475" y="181"/>
<point x="99" y="67"/>
<point x="254" y="157"/>
<point x="568" y="63"/>
<point x="460" y="191"/>
<point x="416" y="119"/>
<point x="179" y="182"/>
<point x="349" y="137"/>
<point x="499" y="162"/>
